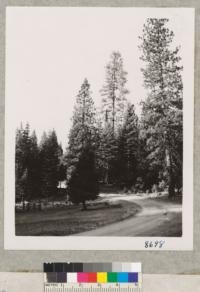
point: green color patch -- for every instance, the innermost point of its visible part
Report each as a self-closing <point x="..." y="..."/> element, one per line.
<point x="112" y="277"/>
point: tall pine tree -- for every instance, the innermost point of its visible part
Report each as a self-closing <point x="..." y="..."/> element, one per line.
<point x="129" y="148"/>
<point x="107" y="155"/>
<point x="83" y="136"/>
<point x="162" y="110"/>
<point x="114" y="104"/>
<point x="50" y="162"/>
<point x="114" y="91"/>
<point x="26" y="165"/>
<point x="83" y="131"/>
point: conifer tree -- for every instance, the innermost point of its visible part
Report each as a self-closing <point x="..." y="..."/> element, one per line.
<point x="84" y="129"/>
<point x="61" y="167"/>
<point x="26" y="165"/>
<point x="19" y="165"/>
<point x="83" y="183"/>
<point x="114" y="91"/>
<point x="114" y="104"/>
<point x="34" y="167"/>
<point x="107" y="152"/>
<point x="129" y="148"/>
<point x="162" y="110"/>
<point x="49" y="162"/>
<point x="80" y="157"/>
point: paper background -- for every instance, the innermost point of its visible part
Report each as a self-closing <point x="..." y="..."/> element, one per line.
<point x="170" y="262"/>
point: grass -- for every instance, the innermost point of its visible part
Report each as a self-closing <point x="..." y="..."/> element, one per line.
<point x="71" y="220"/>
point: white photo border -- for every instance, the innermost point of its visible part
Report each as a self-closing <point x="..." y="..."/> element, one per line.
<point x="13" y="242"/>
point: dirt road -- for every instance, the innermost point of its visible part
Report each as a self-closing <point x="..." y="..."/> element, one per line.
<point x="157" y="218"/>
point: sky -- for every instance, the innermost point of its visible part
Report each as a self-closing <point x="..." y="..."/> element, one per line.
<point x="49" y="52"/>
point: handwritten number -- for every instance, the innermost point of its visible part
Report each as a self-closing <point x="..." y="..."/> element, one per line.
<point x="155" y="244"/>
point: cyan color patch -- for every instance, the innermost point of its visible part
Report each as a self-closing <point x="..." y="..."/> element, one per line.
<point x="122" y="277"/>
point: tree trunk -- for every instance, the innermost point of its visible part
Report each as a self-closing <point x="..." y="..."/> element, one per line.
<point x="113" y="113"/>
<point x="84" y="206"/>
<point x="171" y="191"/>
<point x="106" y="175"/>
<point x="23" y="203"/>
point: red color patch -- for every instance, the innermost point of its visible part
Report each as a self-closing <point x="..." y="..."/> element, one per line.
<point x="92" y="277"/>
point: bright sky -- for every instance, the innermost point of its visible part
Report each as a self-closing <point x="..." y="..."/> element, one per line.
<point x="49" y="52"/>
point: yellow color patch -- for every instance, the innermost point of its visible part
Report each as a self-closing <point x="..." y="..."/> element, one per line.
<point x="101" y="277"/>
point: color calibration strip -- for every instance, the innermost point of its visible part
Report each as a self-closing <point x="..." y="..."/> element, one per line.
<point x="91" y="276"/>
<point x="92" y="267"/>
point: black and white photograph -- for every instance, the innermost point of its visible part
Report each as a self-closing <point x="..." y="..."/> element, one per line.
<point x="99" y="128"/>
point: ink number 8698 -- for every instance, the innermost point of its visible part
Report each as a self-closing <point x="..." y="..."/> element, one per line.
<point x="154" y="243"/>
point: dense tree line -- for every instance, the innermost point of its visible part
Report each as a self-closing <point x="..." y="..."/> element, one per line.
<point x="38" y="167"/>
<point x="113" y="146"/>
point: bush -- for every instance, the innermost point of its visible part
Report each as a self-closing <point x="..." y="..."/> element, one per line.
<point x="162" y="186"/>
<point x="139" y="186"/>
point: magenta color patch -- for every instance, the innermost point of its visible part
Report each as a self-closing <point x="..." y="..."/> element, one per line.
<point x="82" y="277"/>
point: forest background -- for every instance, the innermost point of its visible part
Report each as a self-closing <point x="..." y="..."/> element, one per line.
<point x="111" y="145"/>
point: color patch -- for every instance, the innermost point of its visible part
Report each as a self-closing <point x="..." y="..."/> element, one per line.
<point x="116" y="267"/>
<point x="67" y="267"/>
<point x="102" y="277"/>
<point x="133" y="277"/>
<point x="72" y="277"/>
<point x="61" y="277"/>
<point x="112" y="277"/>
<point x="126" y="267"/>
<point x="58" y="267"/>
<point x="82" y="277"/>
<point x="51" y="277"/>
<point x="92" y="277"/>
<point x="48" y="268"/>
<point x="88" y="267"/>
<point x="136" y="267"/>
<point x="122" y="277"/>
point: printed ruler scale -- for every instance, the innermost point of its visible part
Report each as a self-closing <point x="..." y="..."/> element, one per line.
<point x="92" y="277"/>
<point x="90" y="288"/>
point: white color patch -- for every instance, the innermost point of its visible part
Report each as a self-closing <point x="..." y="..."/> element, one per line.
<point x="72" y="278"/>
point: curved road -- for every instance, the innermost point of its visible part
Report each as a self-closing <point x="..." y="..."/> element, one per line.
<point x="157" y="218"/>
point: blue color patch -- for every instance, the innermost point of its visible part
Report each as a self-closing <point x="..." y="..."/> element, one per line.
<point x="122" y="277"/>
<point x="133" y="277"/>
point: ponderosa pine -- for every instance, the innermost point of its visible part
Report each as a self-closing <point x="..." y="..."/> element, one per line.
<point x="162" y="117"/>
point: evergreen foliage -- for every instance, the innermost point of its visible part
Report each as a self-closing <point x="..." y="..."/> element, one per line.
<point x="162" y="110"/>
<point x="84" y="130"/>
<point x="26" y="164"/>
<point x="114" y="146"/>
<point x="36" y="167"/>
<point x="114" y="104"/>
<point x="128" y="152"/>
<point x="83" y="136"/>
<point x="114" y="91"/>
<point x="83" y="184"/>
<point x="108" y="154"/>
<point x="50" y="162"/>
